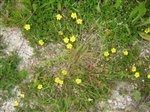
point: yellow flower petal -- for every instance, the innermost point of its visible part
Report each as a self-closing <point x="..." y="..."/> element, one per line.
<point x="125" y="53"/>
<point x="147" y="30"/>
<point x="61" y="82"/>
<point x="16" y="103"/>
<point x="40" y="86"/>
<point x="73" y="15"/>
<point x="79" y="21"/>
<point x="148" y="76"/>
<point x="72" y="38"/>
<point x="41" y="42"/>
<point x="78" y="81"/>
<point x="106" y="53"/>
<point x="27" y="27"/>
<point x="133" y="69"/>
<point x="66" y="39"/>
<point x="22" y="95"/>
<point x="58" y="17"/>
<point x="57" y="79"/>
<point x="69" y="46"/>
<point x="137" y="74"/>
<point x="113" y="50"/>
<point x="64" y="72"/>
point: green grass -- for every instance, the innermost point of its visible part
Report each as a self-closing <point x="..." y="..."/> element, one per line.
<point x="9" y="74"/>
<point x="106" y="25"/>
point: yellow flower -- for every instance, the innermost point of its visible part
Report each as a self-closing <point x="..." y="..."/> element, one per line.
<point x="113" y="50"/>
<point x="64" y="72"/>
<point x="148" y="76"/>
<point x="57" y="79"/>
<point x="22" y="95"/>
<point x="133" y="69"/>
<point x="58" y="17"/>
<point x="40" y="86"/>
<point x="60" y="33"/>
<point x="78" y="81"/>
<point x="69" y="46"/>
<point x="61" y="82"/>
<point x="137" y="74"/>
<point x="149" y="67"/>
<point x="73" y="15"/>
<point x="147" y="30"/>
<point x="66" y="40"/>
<point x="16" y="103"/>
<point x="41" y="42"/>
<point x="106" y="53"/>
<point x="125" y="53"/>
<point x="79" y="21"/>
<point x="72" y="38"/>
<point x="27" y="27"/>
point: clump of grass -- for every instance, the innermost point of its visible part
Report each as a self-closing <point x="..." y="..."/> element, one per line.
<point x="9" y="74"/>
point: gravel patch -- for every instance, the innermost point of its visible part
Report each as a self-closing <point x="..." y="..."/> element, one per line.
<point x="14" y="41"/>
<point x="144" y="47"/>
<point x="9" y="105"/>
<point x="120" y="99"/>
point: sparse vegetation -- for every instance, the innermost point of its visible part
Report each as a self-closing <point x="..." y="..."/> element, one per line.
<point x="98" y="48"/>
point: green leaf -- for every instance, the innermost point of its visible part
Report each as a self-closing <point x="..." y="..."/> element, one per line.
<point x="138" y="12"/>
<point x="128" y="29"/>
<point x="137" y="95"/>
<point x="133" y="13"/>
<point x="23" y="74"/>
<point x="118" y="3"/>
<point x="47" y="3"/>
<point x="59" y="6"/>
<point x="106" y="1"/>
<point x="142" y="11"/>
<point x="98" y="8"/>
<point x="34" y="6"/>
<point x="144" y="22"/>
<point x="144" y="35"/>
<point x="27" y="1"/>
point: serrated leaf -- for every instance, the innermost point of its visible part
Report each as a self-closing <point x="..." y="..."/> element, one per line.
<point x="34" y="6"/>
<point x="133" y="12"/>
<point x="141" y="12"/>
<point x="144" y="35"/>
<point x="137" y="95"/>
